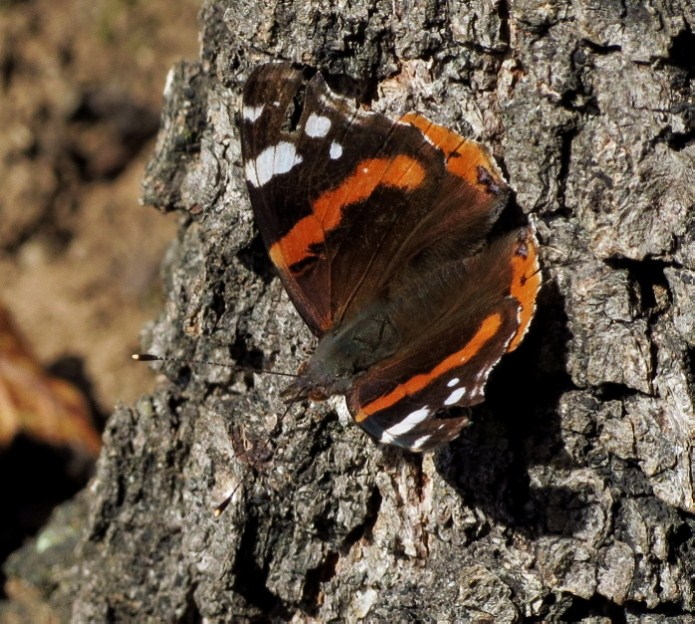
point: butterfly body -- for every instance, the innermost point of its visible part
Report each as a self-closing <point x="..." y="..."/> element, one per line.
<point x="381" y="232"/>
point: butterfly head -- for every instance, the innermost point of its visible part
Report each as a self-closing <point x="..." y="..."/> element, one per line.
<point x="314" y="382"/>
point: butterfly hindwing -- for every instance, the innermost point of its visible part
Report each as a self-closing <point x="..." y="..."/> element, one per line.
<point x="492" y="300"/>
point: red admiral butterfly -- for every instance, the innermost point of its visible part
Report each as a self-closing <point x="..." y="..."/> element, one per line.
<point x="381" y="232"/>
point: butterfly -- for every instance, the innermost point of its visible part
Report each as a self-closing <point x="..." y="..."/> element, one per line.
<point x="384" y="234"/>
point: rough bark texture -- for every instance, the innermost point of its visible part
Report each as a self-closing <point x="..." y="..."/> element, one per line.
<point x="571" y="495"/>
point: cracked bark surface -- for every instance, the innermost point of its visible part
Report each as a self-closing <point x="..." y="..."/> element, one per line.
<point x="571" y="495"/>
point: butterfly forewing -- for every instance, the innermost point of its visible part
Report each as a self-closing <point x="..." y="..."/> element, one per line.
<point x="344" y="199"/>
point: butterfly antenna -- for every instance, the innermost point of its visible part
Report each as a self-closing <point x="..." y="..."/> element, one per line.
<point x="219" y="509"/>
<point x="149" y="357"/>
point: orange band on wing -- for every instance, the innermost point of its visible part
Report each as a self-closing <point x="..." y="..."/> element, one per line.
<point x="488" y="329"/>
<point x="468" y="155"/>
<point x="401" y="172"/>
<point x="526" y="281"/>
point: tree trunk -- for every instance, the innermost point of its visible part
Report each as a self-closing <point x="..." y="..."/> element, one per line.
<point x="570" y="497"/>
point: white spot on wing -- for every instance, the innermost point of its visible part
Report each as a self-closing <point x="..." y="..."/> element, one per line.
<point x="420" y="441"/>
<point x="453" y="382"/>
<point x="272" y="161"/>
<point x="410" y="421"/>
<point x="316" y="126"/>
<point x="455" y="396"/>
<point x="386" y="438"/>
<point x="252" y="113"/>
<point x="250" y="171"/>
<point x="336" y="150"/>
<point x="286" y="157"/>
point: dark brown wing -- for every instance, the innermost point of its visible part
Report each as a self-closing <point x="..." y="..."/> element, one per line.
<point x="466" y="315"/>
<point x="349" y="203"/>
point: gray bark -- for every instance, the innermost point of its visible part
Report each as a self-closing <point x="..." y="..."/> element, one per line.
<point x="571" y="495"/>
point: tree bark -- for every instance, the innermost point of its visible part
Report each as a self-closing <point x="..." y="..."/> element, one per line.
<point x="570" y="497"/>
